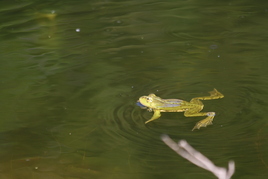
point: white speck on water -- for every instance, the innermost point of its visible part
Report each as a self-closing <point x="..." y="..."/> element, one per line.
<point x="77" y="30"/>
<point x="118" y="21"/>
<point x="219" y="56"/>
<point x="52" y="12"/>
<point x="70" y="133"/>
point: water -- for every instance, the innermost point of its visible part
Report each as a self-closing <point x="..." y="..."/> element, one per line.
<point x="71" y="74"/>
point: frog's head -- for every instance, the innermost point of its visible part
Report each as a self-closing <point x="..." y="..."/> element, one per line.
<point x="147" y="101"/>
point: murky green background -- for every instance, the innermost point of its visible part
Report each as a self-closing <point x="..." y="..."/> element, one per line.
<point x="72" y="71"/>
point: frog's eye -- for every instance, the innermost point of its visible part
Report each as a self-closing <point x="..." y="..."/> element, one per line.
<point x="149" y="100"/>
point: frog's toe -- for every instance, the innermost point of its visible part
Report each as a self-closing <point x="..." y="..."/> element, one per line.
<point x="214" y="92"/>
<point x="204" y="122"/>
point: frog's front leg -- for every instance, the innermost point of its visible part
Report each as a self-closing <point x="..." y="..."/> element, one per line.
<point x="156" y="115"/>
<point x="203" y="123"/>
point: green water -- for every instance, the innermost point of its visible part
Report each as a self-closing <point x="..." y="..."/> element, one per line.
<point x="71" y="73"/>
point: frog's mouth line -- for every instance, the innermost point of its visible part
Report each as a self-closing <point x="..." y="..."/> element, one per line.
<point x="140" y="105"/>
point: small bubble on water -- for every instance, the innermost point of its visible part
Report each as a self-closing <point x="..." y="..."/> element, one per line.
<point x="219" y="56"/>
<point x="118" y="21"/>
<point x="77" y="30"/>
<point x="53" y="12"/>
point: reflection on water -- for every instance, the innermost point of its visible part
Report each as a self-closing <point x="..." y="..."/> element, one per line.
<point x="68" y="97"/>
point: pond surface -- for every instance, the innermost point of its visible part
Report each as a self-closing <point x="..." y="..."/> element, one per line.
<point x="71" y="73"/>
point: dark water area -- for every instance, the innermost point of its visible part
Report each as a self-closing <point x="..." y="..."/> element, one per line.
<point x="71" y="74"/>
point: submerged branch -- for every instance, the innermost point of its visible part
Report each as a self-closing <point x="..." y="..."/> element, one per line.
<point x="189" y="153"/>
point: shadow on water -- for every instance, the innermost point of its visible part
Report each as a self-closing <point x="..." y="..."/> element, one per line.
<point x="71" y="74"/>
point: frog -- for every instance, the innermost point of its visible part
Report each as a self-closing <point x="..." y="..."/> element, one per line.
<point x="191" y="109"/>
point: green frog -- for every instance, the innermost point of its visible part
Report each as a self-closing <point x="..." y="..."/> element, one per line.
<point x="190" y="109"/>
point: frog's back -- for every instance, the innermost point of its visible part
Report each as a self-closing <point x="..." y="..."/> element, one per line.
<point x="171" y="105"/>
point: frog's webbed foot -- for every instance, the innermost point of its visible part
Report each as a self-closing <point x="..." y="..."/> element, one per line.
<point x="216" y="94"/>
<point x="205" y="122"/>
<point x="156" y="115"/>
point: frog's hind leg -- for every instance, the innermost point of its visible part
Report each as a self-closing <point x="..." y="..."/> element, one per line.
<point x="203" y="123"/>
<point x="156" y="115"/>
<point x="215" y="94"/>
<point x="196" y="111"/>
